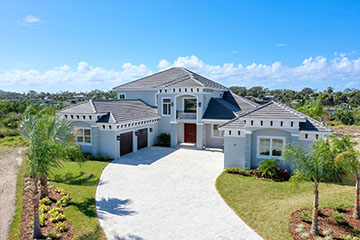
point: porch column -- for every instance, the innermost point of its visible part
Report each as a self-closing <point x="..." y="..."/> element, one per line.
<point x="173" y="134"/>
<point x="94" y="140"/>
<point x="135" y="141"/>
<point x="199" y="135"/>
<point x="248" y="138"/>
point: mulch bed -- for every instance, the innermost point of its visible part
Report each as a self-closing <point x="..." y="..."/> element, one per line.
<point x="28" y="214"/>
<point x="326" y="222"/>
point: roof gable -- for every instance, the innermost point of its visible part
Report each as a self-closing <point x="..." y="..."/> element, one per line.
<point x="173" y="77"/>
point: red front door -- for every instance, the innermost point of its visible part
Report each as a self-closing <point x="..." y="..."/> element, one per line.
<point x="190" y="132"/>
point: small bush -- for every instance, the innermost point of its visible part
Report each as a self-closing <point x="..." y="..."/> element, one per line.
<point x="53" y="236"/>
<point x="64" y="201"/>
<point x="43" y="208"/>
<point x="305" y="216"/>
<point x="305" y="235"/>
<point x="356" y="231"/>
<point x="300" y="228"/>
<point x="45" y="201"/>
<point x="61" y="227"/>
<point x="8" y="132"/>
<point x="57" y="218"/>
<point x="240" y="171"/>
<point x="327" y="232"/>
<point x="269" y="168"/>
<point x="163" y="140"/>
<point x="42" y="218"/>
<point x="349" y="237"/>
<point x="339" y="218"/>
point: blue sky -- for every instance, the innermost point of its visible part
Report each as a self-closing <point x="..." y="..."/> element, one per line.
<point x="82" y="45"/>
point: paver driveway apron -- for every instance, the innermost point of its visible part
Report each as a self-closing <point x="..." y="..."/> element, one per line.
<point x="164" y="194"/>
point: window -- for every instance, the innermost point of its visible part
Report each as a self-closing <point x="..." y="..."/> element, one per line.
<point x="166" y="106"/>
<point x="122" y="96"/>
<point x="270" y="146"/>
<point x="83" y="135"/>
<point x="216" y="132"/>
<point x="189" y="105"/>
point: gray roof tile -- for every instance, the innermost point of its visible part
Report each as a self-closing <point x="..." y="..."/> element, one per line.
<point x="173" y="77"/>
<point x="117" y="110"/>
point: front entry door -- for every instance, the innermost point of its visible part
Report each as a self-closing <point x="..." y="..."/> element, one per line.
<point x="190" y="132"/>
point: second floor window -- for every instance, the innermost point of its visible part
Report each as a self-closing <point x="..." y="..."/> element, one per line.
<point x="190" y="105"/>
<point x="166" y="106"/>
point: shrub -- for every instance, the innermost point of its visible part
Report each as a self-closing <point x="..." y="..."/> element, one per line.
<point x="163" y="140"/>
<point x="300" y="228"/>
<point x="349" y="237"/>
<point x="45" y="201"/>
<point x="269" y="168"/>
<point x="305" y="216"/>
<point x="61" y="227"/>
<point x="305" y="235"/>
<point x="339" y="218"/>
<point x="240" y="171"/>
<point x="42" y="218"/>
<point x="53" y="236"/>
<point x="356" y="231"/>
<point x="57" y="218"/>
<point x="64" y="201"/>
<point x="8" y="132"/>
<point x="327" y="232"/>
<point x="44" y="208"/>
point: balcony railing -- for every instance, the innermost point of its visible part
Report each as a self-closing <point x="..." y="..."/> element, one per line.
<point x="185" y="115"/>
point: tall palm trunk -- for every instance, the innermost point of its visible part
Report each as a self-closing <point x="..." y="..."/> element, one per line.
<point x="36" y="226"/>
<point x="44" y="192"/>
<point x="356" y="213"/>
<point x="315" y="213"/>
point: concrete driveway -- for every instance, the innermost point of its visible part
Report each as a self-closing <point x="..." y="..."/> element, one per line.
<point x="162" y="194"/>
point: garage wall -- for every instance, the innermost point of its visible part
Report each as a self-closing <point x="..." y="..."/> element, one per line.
<point x="108" y="143"/>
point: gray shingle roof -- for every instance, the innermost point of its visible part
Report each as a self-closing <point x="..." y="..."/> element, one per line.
<point x="228" y="106"/>
<point x="117" y="110"/>
<point x="275" y="110"/>
<point x="173" y="77"/>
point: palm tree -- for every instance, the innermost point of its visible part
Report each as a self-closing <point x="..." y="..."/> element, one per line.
<point x="348" y="160"/>
<point x="51" y="143"/>
<point x="314" y="166"/>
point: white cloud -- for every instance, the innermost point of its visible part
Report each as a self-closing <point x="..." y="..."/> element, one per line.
<point x="316" y="72"/>
<point x="29" y="20"/>
<point x="281" y="44"/>
<point x="163" y="64"/>
<point x="234" y="52"/>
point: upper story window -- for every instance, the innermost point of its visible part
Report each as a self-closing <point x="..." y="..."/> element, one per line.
<point x="190" y="105"/>
<point x="166" y="106"/>
<point x="122" y="96"/>
<point x="83" y="135"/>
<point x="270" y="146"/>
<point x="216" y="132"/>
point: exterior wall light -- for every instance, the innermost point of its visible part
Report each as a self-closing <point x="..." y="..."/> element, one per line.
<point x="151" y="129"/>
<point x="199" y="104"/>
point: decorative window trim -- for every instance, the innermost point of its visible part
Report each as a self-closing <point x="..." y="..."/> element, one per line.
<point x="83" y="136"/>
<point x="121" y="94"/>
<point x="162" y="106"/>
<point x="271" y="141"/>
<point x="222" y="132"/>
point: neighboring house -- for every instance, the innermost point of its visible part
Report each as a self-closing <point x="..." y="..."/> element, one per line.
<point x="190" y="108"/>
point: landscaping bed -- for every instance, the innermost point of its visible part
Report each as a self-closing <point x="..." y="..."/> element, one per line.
<point x="333" y="224"/>
<point x="54" y="224"/>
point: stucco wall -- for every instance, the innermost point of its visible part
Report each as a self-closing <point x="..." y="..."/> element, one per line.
<point x="108" y="143"/>
<point x="210" y="141"/>
<point x="146" y="96"/>
<point x="267" y="132"/>
<point x="234" y="152"/>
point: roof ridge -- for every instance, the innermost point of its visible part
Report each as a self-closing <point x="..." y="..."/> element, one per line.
<point x="245" y="99"/>
<point x="145" y="77"/>
<point x="92" y="106"/>
<point x="71" y="106"/>
<point x="192" y="76"/>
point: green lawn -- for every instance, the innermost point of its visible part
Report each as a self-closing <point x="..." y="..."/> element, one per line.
<point x="266" y="206"/>
<point x="80" y="182"/>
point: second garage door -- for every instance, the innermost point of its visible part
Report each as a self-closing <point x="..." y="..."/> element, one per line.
<point x="126" y="143"/>
<point x="142" y="138"/>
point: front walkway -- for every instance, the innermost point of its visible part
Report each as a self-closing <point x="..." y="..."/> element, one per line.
<point x="162" y="193"/>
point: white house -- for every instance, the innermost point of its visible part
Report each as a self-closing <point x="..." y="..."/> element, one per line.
<point x="192" y="109"/>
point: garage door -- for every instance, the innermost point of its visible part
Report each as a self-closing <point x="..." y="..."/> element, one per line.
<point x="142" y="138"/>
<point x="126" y="143"/>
